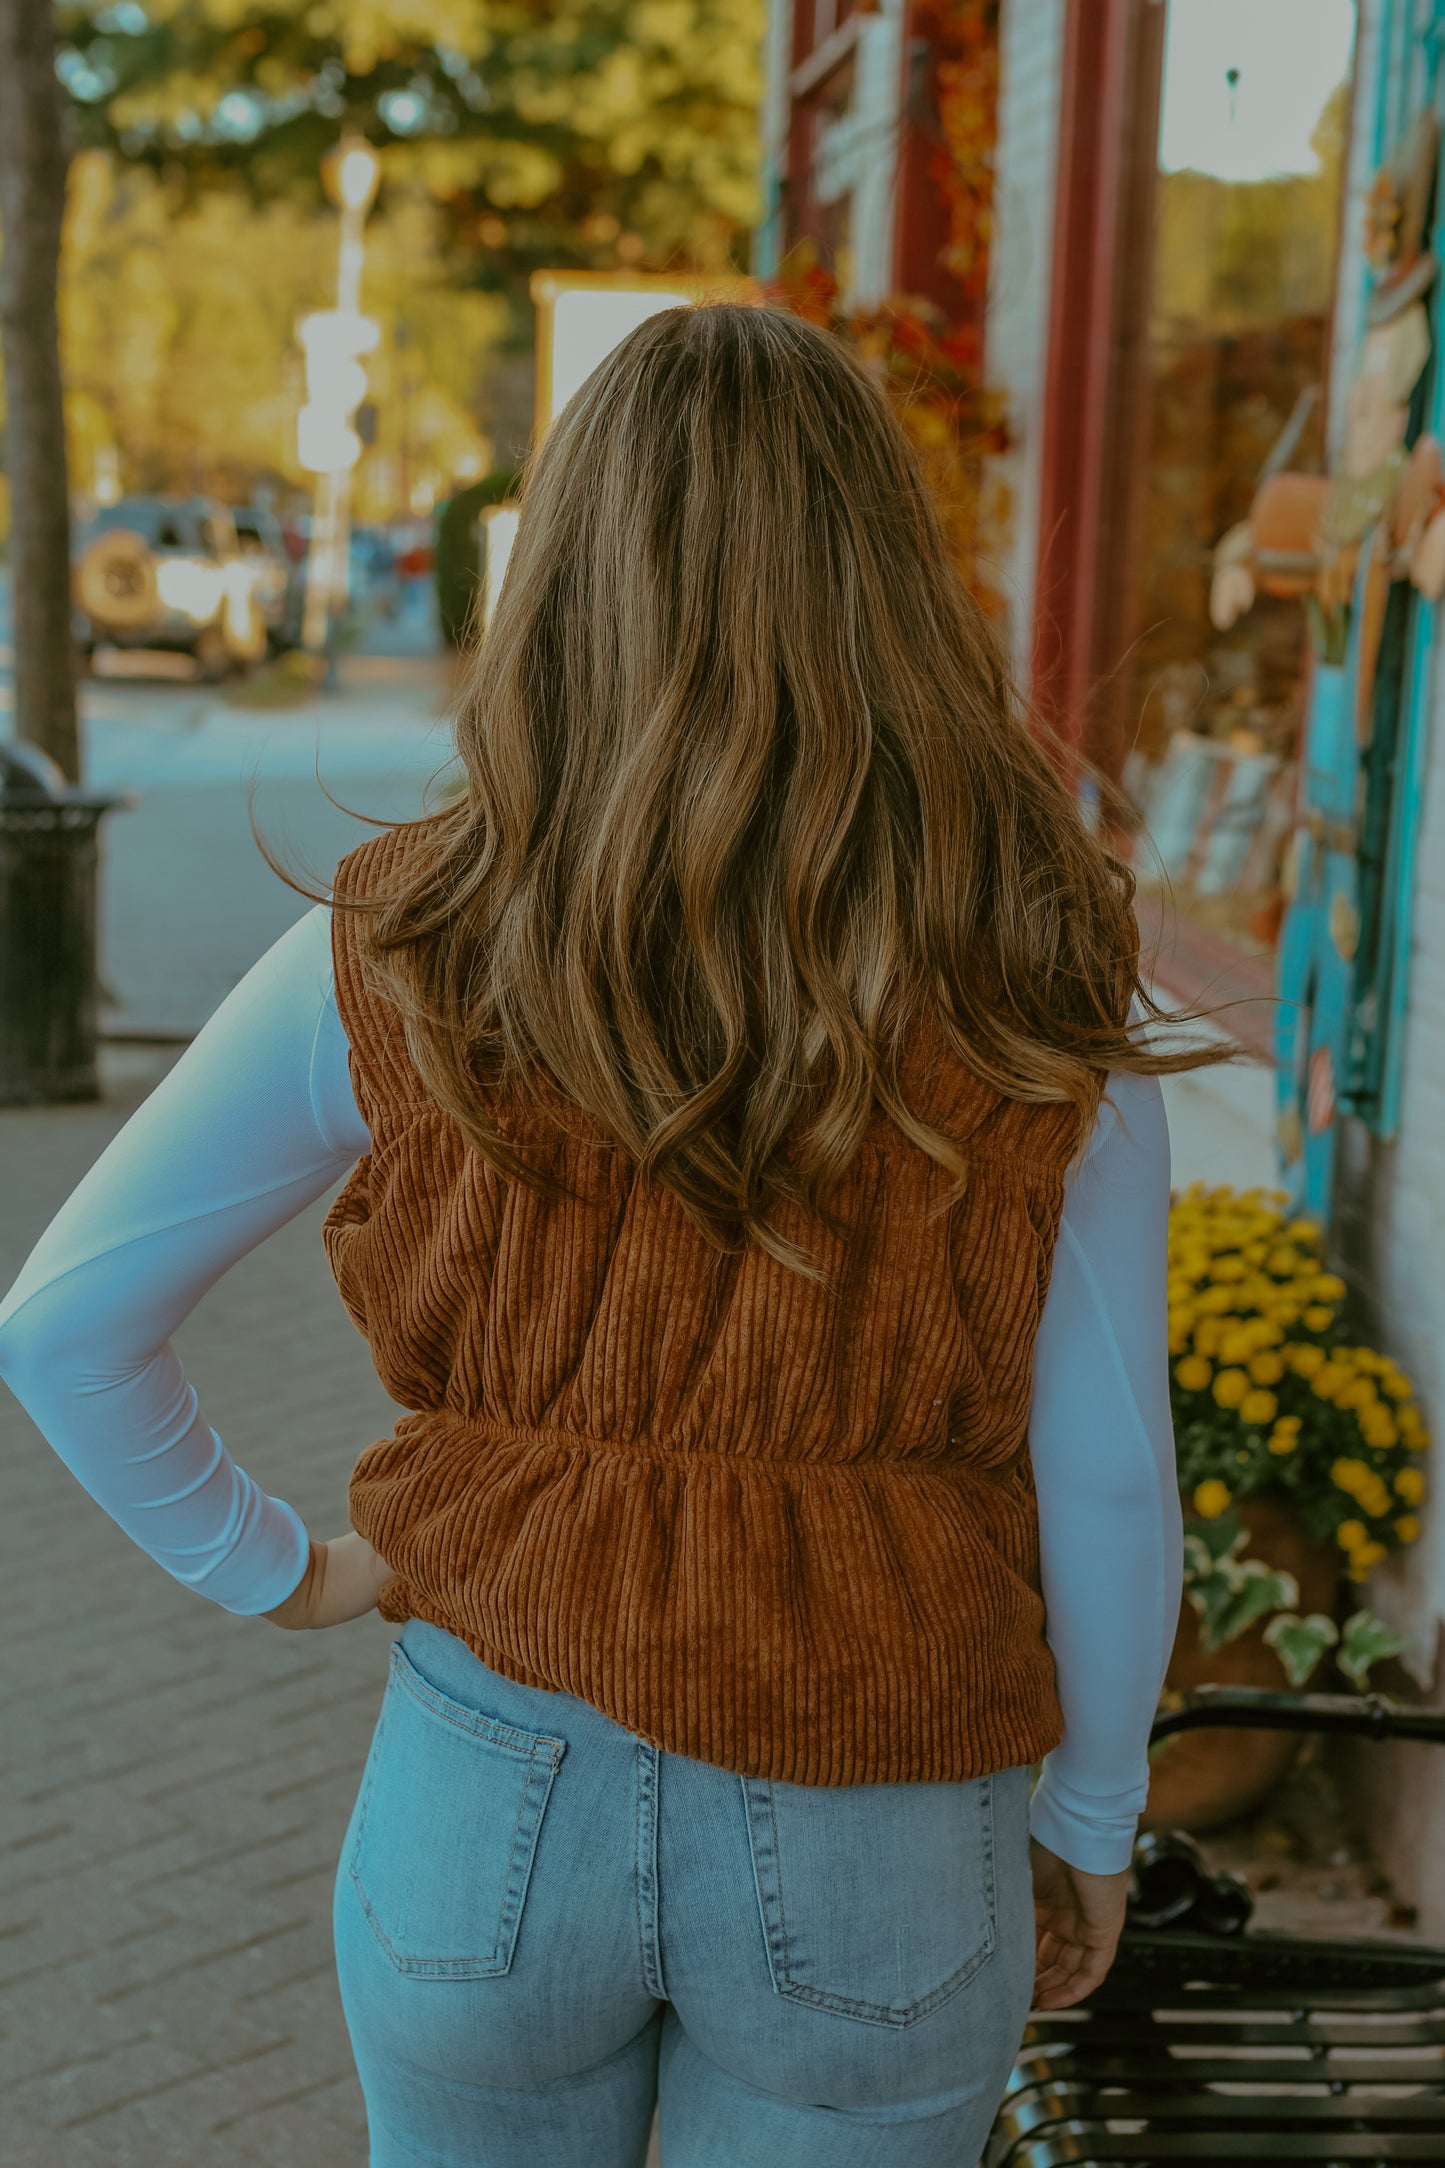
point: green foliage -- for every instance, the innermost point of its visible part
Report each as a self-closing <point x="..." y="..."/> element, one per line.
<point x="1299" y="1643"/>
<point x="1366" y="1640"/>
<point x="576" y="132"/>
<point x="1229" y="1592"/>
<point x="457" y="552"/>
<point x="179" y="322"/>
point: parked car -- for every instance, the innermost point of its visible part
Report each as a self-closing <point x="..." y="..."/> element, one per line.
<point x="168" y="572"/>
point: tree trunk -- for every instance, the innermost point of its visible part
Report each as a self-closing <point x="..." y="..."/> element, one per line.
<point x="33" y="162"/>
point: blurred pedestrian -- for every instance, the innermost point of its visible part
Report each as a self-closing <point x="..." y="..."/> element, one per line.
<point x="755" y="1193"/>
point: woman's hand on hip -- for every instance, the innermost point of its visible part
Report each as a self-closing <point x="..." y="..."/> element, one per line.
<point x="1077" y="1922"/>
<point x="343" y="1580"/>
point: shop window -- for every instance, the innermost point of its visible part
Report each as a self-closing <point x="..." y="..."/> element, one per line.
<point x="1253" y="139"/>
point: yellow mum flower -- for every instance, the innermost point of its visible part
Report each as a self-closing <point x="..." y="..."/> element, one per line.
<point x="1193" y="1373"/>
<point x="1396" y="1384"/>
<point x="1375" y="1499"/>
<point x="1348" y="1475"/>
<point x="1368" y="1555"/>
<point x="1180" y="1335"/>
<point x="1317" y="1318"/>
<point x="1410" y="1485"/>
<point x="1211" y="1498"/>
<point x="1216" y="1301"/>
<point x="1230" y="1387"/>
<point x="1330" y="1287"/>
<point x="1359" y="1393"/>
<point x="1267" y="1367"/>
<point x="1228" y="1266"/>
<point x="1255" y="1252"/>
<point x="1378" y="1426"/>
<point x="1237" y="1345"/>
<point x="1326" y="1382"/>
<point x="1407" y="1528"/>
<point x="1283" y="1263"/>
<point x="1258" y="1407"/>
<point x="1351" y="1534"/>
<point x="1412" y="1429"/>
<point x="1208" y="1334"/>
<point x="1304" y="1358"/>
<point x="1283" y="1440"/>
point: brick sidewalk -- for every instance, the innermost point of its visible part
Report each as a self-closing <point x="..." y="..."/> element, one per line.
<point x="177" y="1781"/>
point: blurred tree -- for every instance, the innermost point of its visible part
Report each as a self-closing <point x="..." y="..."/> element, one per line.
<point x="32" y="207"/>
<point x="178" y="330"/>
<point x="576" y="132"/>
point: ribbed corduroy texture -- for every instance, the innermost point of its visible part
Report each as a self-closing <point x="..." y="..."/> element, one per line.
<point x="784" y="1528"/>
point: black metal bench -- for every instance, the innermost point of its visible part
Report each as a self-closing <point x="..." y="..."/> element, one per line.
<point x="1229" y="2046"/>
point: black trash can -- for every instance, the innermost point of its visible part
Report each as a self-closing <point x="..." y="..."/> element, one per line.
<point x="48" y="854"/>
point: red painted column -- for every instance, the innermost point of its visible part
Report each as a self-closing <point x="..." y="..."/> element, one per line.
<point x="1095" y="419"/>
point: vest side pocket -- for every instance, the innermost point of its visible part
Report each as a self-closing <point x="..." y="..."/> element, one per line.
<point x="447" y="1827"/>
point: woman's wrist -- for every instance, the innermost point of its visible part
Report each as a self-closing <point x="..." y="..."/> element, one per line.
<point x="292" y="1609"/>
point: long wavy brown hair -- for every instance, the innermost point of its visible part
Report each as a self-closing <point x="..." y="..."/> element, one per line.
<point x="748" y="793"/>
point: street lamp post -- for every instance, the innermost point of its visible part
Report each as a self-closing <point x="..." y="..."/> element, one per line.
<point x="334" y="340"/>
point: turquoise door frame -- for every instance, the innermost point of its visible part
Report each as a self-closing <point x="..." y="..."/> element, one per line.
<point x="1344" y="954"/>
<point x="1315" y="967"/>
<point x="1383" y="1111"/>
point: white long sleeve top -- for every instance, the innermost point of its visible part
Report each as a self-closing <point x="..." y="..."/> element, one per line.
<point x="257" y="1119"/>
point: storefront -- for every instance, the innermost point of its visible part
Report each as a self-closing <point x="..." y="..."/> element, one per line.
<point x="1163" y="291"/>
<point x="1371" y="878"/>
<point x="1225" y="588"/>
<point x="1155" y="333"/>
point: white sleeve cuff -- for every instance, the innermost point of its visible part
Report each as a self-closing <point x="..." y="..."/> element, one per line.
<point x="1086" y="1830"/>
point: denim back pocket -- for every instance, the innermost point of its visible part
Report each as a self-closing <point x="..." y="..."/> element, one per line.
<point x="877" y="1900"/>
<point x="447" y="1825"/>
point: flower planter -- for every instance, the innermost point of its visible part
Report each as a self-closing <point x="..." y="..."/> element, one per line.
<point x="1201" y="1779"/>
<point x="1294" y="1444"/>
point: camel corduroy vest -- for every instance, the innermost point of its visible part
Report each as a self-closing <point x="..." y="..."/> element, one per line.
<point x="785" y="1528"/>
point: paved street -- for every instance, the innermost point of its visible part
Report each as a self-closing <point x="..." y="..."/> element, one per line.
<point x="187" y="901"/>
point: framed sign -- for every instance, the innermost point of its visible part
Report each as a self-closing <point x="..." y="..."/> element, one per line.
<point x="582" y="315"/>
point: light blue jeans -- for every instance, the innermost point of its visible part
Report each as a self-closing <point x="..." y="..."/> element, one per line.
<point x="546" y="1927"/>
